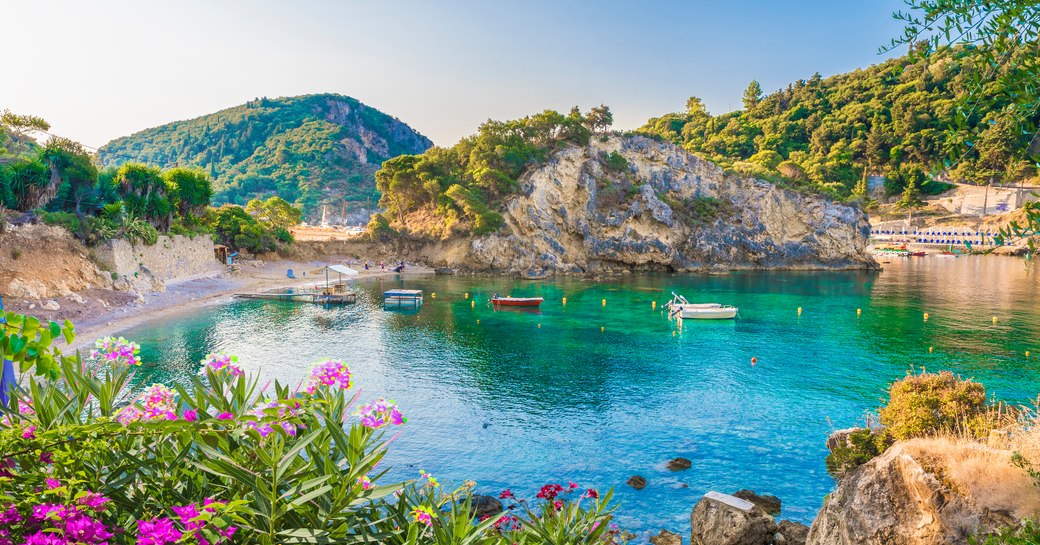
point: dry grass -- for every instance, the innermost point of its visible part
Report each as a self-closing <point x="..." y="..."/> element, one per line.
<point x="985" y="476"/>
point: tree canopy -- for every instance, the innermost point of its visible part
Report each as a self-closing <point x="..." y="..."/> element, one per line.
<point x="464" y="185"/>
<point x="828" y="133"/>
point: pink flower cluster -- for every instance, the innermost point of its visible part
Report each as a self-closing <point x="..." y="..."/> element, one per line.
<point x="159" y="403"/>
<point x="423" y="515"/>
<point x="380" y="413"/>
<point x="116" y="352"/>
<point x="223" y="363"/>
<point x="57" y="524"/>
<point x="265" y="419"/>
<point x="163" y="530"/>
<point x="24" y="408"/>
<point x="329" y="373"/>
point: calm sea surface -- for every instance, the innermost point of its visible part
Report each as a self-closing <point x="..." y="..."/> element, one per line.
<point x="493" y="397"/>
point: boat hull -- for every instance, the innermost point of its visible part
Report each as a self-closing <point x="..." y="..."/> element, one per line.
<point x="517" y="301"/>
<point x="723" y="313"/>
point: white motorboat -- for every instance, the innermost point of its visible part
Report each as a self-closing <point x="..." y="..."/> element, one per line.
<point x="682" y="308"/>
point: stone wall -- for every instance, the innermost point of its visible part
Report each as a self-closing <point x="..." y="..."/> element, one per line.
<point x="171" y="258"/>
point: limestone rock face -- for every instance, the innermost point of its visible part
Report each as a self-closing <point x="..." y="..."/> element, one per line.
<point x="715" y="523"/>
<point x="666" y="538"/>
<point x="667" y="210"/>
<point x="926" y="492"/>
<point x="769" y="504"/>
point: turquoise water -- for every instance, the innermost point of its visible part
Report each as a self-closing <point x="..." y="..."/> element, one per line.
<point x="510" y="404"/>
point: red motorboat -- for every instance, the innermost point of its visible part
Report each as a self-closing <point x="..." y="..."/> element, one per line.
<point x="516" y="301"/>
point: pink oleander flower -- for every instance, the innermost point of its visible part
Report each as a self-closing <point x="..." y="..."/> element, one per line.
<point x="222" y="363"/>
<point x="158" y="531"/>
<point x="266" y="417"/>
<point x="430" y="480"/>
<point x="225" y="416"/>
<point x="116" y="352"/>
<point x="380" y="413"/>
<point x="423" y="514"/>
<point x="592" y="493"/>
<point x="94" y="501"/>
<point x="365" y="482"/>
<point x="191" y="415"/>
<point x="52" y="483"/>
<point x="571" y="485"/>
<point x="29" y="433"/>
<point x="24" y="408"/>
<point x="506" y="494"/>
<point x="157" y="402"/>
<point x="329" y="373"/>
<point x="549" y="492"/>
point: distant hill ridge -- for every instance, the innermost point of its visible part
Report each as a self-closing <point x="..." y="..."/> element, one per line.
<point x="311" y="149"/>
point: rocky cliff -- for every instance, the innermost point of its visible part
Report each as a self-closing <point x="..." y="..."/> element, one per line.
<point x="927" y="492"/>
<point x="588" y="210"/>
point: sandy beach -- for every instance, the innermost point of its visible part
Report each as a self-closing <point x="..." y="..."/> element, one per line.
<point x="101" y="312"/>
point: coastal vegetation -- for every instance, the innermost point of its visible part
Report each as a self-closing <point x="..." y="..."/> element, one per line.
<point x="308" y="150"/>
<point x="462" y="187"/>
<point x="899" y="119"/>
<point x="90" y="459"/>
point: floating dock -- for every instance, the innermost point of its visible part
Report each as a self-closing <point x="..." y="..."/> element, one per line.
<point x="402" y="298"/>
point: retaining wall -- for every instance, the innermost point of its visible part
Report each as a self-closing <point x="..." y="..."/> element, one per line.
<point x="170" y="258"/>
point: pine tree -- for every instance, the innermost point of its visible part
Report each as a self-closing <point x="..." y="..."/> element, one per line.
<point x="752" y="95"/>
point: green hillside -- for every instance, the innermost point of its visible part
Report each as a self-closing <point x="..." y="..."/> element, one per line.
<point x="899" y="115"/>
<point x="311" y="149"/>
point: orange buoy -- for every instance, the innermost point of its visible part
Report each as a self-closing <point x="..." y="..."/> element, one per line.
<point x="754" y="360"/>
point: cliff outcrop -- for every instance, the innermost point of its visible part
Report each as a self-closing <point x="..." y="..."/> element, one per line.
<point x="631" y="202"/>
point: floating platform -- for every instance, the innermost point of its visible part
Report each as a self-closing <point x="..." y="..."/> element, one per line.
<point x="334" y="296"/>
<point x="400" y="298"/>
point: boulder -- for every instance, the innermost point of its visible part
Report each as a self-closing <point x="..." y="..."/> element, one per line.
<point x="666" y="538"/>
<point x="721" y="519"/>
<point x="637" y="482"/>
<point x="50" y="304"/>
<point x="444" y="271"/>
<point x="485" y="506"/>
<point x="769" y="504"/>
<point x="679" y="464"/>
<point x="926" y="491"/>
<point x="793" y="533"/>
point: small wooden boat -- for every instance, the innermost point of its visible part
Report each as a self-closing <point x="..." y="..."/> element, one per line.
<point x="517" y="301"/>
<point x="682" y="308"/>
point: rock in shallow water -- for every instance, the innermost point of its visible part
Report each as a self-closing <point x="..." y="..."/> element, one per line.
<point x="485" y="506"/>
<point x="769" y="504"/>
<point x="721" y="519"/>
<point x="666" y="538"/>
<point x="679" y="464"/>
<point x="637" y="482"/>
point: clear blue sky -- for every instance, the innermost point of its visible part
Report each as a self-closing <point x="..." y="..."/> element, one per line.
<point x="99" y="70"/>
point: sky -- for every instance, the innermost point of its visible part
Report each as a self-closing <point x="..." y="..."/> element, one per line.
<point x="100" y="70"/>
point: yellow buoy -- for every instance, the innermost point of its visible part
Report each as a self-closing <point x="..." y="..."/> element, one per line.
<point x="473" y="303"/>
<point x="799" y="311"/>
<point x="564" y="301"/>
<point x="653" y="305"/>
<point x="931" y="349"/>
<point x="539" y="326"/>
<point x="602" y="329"/>
<point x="604" y="302"/>
<point x="433" y="295"/>
<point x="467" y="295"/>
<point x="859" y="311"/>
<point x="478" y="321"/>
<point x="994" y="319"/>
<point x="673" y="333"/>
<point x="1027" y="353"/>
<point x="926" y="316"/>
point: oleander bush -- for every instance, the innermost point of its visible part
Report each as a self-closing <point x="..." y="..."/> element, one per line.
<point x="87" y="458"/>
<point x="860" y="447"/>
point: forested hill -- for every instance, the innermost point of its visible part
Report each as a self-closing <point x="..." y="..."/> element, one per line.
<point x="885" y="119"/>
<point x="310" y="149"/>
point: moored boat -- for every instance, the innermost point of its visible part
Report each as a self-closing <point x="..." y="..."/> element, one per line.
<point x="517" y="301"/>
<point x="682" y="308"/>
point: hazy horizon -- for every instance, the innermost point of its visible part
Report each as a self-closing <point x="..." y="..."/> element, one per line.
<point x="441" y="68"/>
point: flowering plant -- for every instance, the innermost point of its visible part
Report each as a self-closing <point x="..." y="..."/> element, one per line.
<point x="86" y="459"/>
<point x="116" y="352"/>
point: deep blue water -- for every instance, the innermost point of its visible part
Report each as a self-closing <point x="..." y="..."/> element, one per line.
<point x="510" y="404"/>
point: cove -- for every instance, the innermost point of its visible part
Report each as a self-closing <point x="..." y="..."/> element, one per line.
<point x="599" y="393"/>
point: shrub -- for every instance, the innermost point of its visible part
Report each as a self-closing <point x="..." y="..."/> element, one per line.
<point x="16" y="253"/>
<point x="379" y="227"/>
<point x="930" y="403"/>
<point x="68" y="220"/>
<point x="616" y="162"/>
<point x="223" y="459"/>
<point x="1026" y="534"/>
<point x="859" y="447"/>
